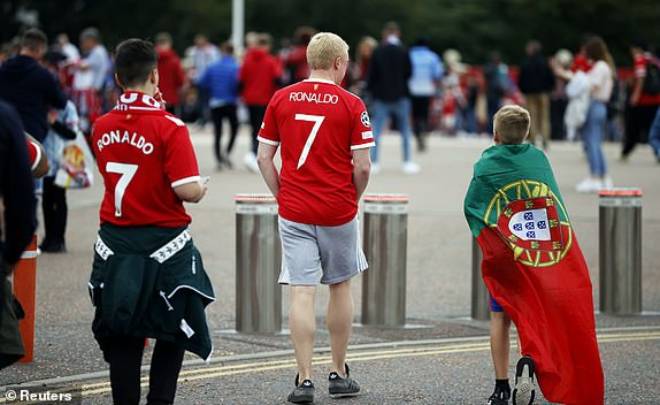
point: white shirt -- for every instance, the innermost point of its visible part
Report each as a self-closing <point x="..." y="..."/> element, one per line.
<point x="600" y="78"/>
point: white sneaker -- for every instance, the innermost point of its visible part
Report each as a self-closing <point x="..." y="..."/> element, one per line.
<point x="250" y="161"/>
<point x="411" y="168"/>
<point x="375" y="168"/>
<point x="608" y="184"/>
<point x="589" y="185"/>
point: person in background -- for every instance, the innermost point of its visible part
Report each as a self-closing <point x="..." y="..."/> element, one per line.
<point x="654" y="135"/>
<point x="200" y="56"/>
<point x="295" y="61"/>
<point x="67" y="48"/>
<point x="172" y="77"/>
<point x="360" y="67"/>
<point x="389" y="72"/>
<point x="89" y="78"/>
<point x="600" y="80"/>
<point x="30" y="88"/>
<point x="498" y="84"/>
<point x="18" y="222"/>
<point x="220" y="81"/>
<point x="536" y="81"/>
<point x="427" y="72"/>
<point x="644" y="98"/>
<point x="558" y="97"/>
<point x="259" y="78"/>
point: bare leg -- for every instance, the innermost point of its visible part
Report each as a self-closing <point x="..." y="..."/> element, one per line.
<point x="340" y="323"/>
<point x="302" y="323"/>
<point x="500" y="324"/>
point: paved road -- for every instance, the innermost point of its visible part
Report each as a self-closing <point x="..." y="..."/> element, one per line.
<point x="438" y="257"/>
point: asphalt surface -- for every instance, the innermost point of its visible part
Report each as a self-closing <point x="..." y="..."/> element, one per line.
<point x="438" y="281"/>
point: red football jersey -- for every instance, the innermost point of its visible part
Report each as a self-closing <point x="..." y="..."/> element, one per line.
<point x="143" y="152"/>
<point x="318" y="124"/>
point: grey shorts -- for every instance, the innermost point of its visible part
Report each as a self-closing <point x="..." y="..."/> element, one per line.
<point x="313" y="254"/>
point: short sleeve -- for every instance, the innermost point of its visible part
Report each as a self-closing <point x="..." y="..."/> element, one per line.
<point x="180" y="160"/>
<point x="362" y="135"/>
<point x="34" y="154"/>
<point x="640" y="66"/>
<point x="269" y="132"/>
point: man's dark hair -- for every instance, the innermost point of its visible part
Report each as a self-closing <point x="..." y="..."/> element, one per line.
<point x="34" y="39"/>
<point x="134" y="60"/>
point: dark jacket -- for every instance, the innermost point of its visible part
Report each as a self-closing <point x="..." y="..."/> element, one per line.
<point x="389" y="71"/>
<point x="31" y="90"/>
<point x="16" y="187"/>
<point x="535" y="75"/>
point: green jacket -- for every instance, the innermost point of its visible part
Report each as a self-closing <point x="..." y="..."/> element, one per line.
<point x="150" y="282"/>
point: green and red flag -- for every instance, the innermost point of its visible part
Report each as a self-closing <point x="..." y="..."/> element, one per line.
<point x="534" y="268"/>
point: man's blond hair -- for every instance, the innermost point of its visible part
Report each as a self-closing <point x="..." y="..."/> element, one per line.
<point x="323" y="49"/>
<point x="511" y="123"/>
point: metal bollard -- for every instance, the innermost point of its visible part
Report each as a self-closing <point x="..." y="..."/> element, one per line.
<point x="620" y="248"/>
<point x="479" y="306"/>
<point x="258" y="262"/>
<point x="385" y="245"/>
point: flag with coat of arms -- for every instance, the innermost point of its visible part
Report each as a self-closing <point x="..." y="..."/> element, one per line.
<point x="534" y="268"/>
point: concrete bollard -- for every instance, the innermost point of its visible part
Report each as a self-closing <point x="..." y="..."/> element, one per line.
<point x="479" y="309"/>
<point x="385" y="245"/>
<point x="258" y="263"/>
<point x="620" y="249"/>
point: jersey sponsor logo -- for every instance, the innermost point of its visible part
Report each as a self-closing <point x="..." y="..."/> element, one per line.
<point x="364" y="118"/>
<point x="134" y="139"/>
<point x="317" y="98"/>
<point x="367" y="135"/>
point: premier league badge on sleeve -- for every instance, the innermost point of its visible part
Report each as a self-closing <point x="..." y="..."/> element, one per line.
<point x="532" y="222"/>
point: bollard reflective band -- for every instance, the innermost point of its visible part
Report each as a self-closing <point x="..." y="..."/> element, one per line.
<point x="620" y="197"/>
<point x="256" y="204"/>
<point x="374" y="208"/>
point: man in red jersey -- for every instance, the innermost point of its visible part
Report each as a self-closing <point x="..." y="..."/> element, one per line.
<point x="148" y="280"/>
<point x="325" y="136"/>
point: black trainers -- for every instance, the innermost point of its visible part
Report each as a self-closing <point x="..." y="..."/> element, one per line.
<point x="303" y="393"/>
<point x="340" y="387"/>
<point x="524" y="389"/>
<point x="499" y="398"/>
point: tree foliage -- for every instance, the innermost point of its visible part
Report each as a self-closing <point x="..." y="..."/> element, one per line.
<point x="475" y="27"/>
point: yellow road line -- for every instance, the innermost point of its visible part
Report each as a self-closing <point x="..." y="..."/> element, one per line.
<point x="361" y="356"/>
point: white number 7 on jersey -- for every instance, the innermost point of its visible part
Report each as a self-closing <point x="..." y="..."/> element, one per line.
<point x="127" y="172"/>
<point x="317" y="120"/>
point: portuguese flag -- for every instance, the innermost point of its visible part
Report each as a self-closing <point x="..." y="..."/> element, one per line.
<point x="534" y="268"/>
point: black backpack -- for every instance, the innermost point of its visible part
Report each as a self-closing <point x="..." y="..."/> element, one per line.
<point x="652" y="78"/>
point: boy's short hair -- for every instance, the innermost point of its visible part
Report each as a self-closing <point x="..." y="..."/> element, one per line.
<point x="511" y="123"/>
<point x="34" y="40"/>
<point x="135" y="59"/>
<point x="163" y="38"/>
<point x="323" y="49"/>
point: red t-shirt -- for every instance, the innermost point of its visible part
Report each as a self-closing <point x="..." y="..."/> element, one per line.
<point x="34" y="153"/>
<point x="318" y="124"/>
<point x="640" y="61"/>
<point x="143" y="152"/>
<point x="258" y="75"/>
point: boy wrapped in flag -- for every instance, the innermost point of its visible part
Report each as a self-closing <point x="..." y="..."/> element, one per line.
<point x="534" y="270"/>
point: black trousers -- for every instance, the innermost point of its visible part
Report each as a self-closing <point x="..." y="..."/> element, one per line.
<point x="219" y="114"/>
<point x="420" y="113"/>
<point x="638" y="125"/>
<point x="55" y="211"/>
<point x="256" y="113"/>
<point x="124" y="354"/>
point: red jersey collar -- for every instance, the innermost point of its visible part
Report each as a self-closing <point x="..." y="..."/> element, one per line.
<point x="138" y="101"/>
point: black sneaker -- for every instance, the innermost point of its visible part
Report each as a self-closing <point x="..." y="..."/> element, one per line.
<point x="524" y="389"/>
<point x="303" y="393"/>
<point x="340" y="387"/>
<point x="499" y="398"/>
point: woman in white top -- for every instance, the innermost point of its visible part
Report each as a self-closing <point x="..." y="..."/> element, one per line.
<point x="601" y="80"/>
